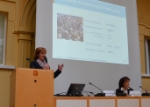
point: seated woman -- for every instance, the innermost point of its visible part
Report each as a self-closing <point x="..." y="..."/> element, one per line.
<point x="40" y="61"/>
<point x="124" y="88"/>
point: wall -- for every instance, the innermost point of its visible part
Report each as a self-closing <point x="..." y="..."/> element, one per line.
<point x="10" y="52"/>
<point x="4" y="87"/>
<point x="144" y="32"/>
<point x="19" y="40"/>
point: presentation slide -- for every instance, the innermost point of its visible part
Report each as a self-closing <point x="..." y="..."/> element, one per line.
<point x="90" y="30"/>
<point x="97" y="41"/>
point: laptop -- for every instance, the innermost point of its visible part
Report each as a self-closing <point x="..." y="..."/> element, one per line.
<point x="75" y="89"/>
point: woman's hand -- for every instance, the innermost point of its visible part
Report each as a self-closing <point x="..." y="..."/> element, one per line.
<point x="46" y="66"/>
<point x="60" y="67"/>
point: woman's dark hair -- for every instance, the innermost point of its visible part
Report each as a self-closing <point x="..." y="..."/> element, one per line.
<point x="37" y="51"/>
<point x="122" y="81"/>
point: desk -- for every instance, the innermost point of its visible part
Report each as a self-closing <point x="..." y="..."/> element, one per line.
<point x="145" y="102"/>
<point x="70" y="102"/>
<point x="102" y="101"/>
<point x="128" y="102"/>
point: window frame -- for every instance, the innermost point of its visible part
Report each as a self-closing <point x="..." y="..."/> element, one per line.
<point x="4" y="39"/>
<point x="147" y="56"/>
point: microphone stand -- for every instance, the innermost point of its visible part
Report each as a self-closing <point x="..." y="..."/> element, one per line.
<point x="146" y="92"/>
<point x="98" y="94"/>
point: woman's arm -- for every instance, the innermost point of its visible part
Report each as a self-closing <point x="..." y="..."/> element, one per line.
<point x="56" y="73"/>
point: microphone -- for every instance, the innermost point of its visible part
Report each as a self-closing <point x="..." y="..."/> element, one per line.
<point x="31" y="66"/>
<point x="130" y="89"/>
<point x="28" y="59"/>
<point x="146" y="92"/>
<point x="98" y="94"/>
<point x="143" y="89"/>
<point x="45" y="58"/>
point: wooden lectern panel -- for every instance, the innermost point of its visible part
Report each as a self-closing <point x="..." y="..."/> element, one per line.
<point x="33" y="88"/>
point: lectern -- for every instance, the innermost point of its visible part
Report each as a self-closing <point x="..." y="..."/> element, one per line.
<point x="31" y="88"/>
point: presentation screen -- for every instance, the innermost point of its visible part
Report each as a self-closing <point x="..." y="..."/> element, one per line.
<point x="90" y="31"/>
<point x="96" y="40"/>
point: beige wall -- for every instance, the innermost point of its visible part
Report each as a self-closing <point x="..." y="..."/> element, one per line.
<point x="4" y="87"/>
<point x="20" y="38"/>
<point x="143" y="7"/>
<point x="9" y="9"/>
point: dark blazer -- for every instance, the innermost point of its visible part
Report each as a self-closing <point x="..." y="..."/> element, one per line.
<point x="35" y="64"/>
<point x="119" y="91"/>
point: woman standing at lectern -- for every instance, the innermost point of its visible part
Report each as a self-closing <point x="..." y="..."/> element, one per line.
<point x="124" y="86"/>
<point x="40" y="61"/>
